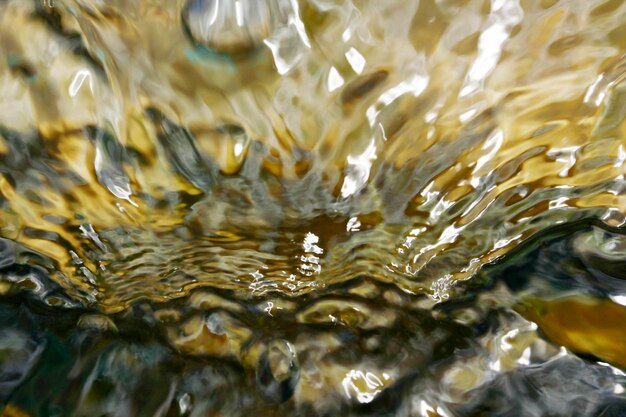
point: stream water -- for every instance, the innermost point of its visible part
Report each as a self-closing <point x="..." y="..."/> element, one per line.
<point x="312" y="208"/>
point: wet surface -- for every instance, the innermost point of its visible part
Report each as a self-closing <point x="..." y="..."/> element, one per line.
<point x="294" y="208"/>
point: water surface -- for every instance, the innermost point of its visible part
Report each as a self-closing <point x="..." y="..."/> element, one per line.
<point x="312" y="207"/>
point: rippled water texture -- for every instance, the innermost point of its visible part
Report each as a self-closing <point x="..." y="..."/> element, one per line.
<point x="312" y="207"/>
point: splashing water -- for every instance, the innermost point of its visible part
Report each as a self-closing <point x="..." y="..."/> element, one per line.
<point x="312" y="207"/>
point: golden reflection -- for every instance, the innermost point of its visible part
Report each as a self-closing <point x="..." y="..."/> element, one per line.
<point x="144" y="163"/>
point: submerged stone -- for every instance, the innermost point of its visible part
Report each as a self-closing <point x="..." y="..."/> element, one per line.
<point x="19" y="354"/>
<point x="582" y="324"/>
<point x="217" y="334"/>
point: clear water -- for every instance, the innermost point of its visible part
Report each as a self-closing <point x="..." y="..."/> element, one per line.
<point x="312" y="208"/>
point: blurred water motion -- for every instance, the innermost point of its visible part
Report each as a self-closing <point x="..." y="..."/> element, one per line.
<point x="312" y="207"/>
